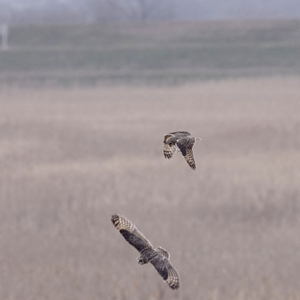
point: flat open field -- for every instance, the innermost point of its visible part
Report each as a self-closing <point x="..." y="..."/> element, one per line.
<point x="156" y="53"/>
<point x="71" y="158"/>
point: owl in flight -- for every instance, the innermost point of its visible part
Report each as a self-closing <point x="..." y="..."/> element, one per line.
<point x="183" y="141"/>
<point x="158" y="257"/>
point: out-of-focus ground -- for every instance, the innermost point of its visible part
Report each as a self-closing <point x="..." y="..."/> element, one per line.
<point x="162" y="53"/>
<point x="83" y="111"/>
<point x="67" y="164"/>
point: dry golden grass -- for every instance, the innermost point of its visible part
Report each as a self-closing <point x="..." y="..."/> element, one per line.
<point x="71" y="158"/>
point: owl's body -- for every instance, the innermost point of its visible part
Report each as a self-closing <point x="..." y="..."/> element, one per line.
<point x="158" y="257"/>
<point x="183" y="141"/>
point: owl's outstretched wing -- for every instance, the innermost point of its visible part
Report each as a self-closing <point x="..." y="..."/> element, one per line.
<point x="131" y="234"/>
<point x="170" y="147"/>
<point x="169" y="150"/>
<point x="185" y="145"/>
<point x="165" y="269"/>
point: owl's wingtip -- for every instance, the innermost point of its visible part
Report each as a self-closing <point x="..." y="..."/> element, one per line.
<point x="115" y="219"/>
<point x="174" y="285"/>
<point x="193" y="167"/>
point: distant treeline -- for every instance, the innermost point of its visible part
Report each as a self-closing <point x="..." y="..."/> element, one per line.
<point x="93" y="11"/>
<point x="160" y="53"/>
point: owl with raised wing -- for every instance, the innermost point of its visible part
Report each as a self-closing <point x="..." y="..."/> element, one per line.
<point x="182" y="141"/>
<point x="158" y="257"/>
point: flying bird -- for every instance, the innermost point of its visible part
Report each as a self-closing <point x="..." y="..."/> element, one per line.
<point x="158" y="257"/>
<point x="183" y="141"/>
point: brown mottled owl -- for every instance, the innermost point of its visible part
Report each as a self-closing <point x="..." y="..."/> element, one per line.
<point x="158" y="257"/>
<point x="183" y="141"/>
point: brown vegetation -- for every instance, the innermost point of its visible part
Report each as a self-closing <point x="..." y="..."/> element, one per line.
<point x="71" y="158"/>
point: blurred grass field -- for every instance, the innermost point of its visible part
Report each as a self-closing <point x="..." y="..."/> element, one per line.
<point x="72" y="157"/>
<point x="149" y="53"/>
<point x="83" y="111"/>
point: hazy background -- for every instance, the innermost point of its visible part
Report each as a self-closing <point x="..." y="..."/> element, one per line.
<point x="87" y="91"/>
<point x="32" y="11"/>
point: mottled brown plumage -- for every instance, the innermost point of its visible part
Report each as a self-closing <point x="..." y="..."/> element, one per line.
<point x="183" y="141"/>
<point x="158" y="257"/>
